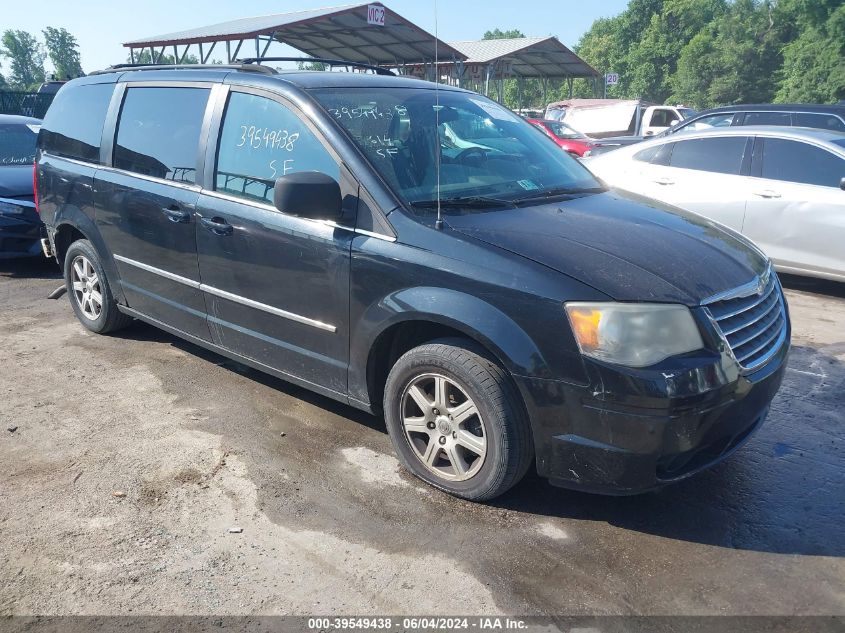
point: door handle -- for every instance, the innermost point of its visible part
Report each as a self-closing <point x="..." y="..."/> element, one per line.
<point x="175" y="214"/>
<point x="665" y="181"/>
<point x="767" y="193"/>
<point x="218" y="226"/>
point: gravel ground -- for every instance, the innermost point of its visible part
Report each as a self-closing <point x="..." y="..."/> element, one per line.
<point x="143" y="475"/>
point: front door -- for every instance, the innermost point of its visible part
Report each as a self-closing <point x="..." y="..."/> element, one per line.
<point x="276" y="286"/>
<point x="145" y="204"/>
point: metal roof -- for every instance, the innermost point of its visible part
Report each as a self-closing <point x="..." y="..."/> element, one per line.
<point x="528" y="56"/>
<point x="341" y="32"/>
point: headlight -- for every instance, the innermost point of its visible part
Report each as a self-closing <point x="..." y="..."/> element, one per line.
<point x="633" y="334"/>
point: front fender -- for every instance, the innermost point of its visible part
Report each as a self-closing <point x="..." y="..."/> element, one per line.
<point x="465" y="313"/>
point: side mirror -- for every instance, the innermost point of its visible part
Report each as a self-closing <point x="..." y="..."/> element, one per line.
<point x="674" y="122"/>
<point x="308" y="194"/>
<point x="842" y="184"/>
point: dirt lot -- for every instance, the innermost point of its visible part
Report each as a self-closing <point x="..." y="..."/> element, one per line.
<point x="199" y="445"/>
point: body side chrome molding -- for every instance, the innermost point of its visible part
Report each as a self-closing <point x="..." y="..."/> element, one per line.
<point x="267" y="308"/>
<point x="228" y="295"/>
<point x="158" y="271"/>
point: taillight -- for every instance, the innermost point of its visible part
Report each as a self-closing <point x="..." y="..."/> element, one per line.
<point x="35" y="186"/>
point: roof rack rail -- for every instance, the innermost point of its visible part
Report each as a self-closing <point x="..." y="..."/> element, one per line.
<point x="254" y="68"/>
<point x="320" y="60"/>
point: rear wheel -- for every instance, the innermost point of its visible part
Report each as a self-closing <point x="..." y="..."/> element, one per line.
<point x="89" y="291"/>
<point x="456" y="420"/>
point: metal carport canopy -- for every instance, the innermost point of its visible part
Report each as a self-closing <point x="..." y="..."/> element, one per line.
<point x="532" y="57"/>
<point x="337" y="32"/>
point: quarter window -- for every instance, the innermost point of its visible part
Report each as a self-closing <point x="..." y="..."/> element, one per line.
<point x="73" y="126"/>
<point x="793" y="161"/>
<point x="722" y="155"/>
<point x="261" y="141"/>
<point x="159" y="132"/>
<point x="821" y="121"/>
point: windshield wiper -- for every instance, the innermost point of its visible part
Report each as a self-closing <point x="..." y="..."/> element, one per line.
<point x="556" y="192"/>
<point x="477" y="202"/>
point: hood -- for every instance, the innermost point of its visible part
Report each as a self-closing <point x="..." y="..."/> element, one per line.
<point x="16" y="181"/>
<point x="626" y="246"/>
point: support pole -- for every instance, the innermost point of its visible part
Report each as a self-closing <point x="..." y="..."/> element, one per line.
<point x="228" y="52"/>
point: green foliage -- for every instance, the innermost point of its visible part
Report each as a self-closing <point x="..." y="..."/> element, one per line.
<point x="144" y="57"/>
<point x="26" y="59"/>
<point x="63" y="50"/>
<point x="712" y="52"/>
<point x="814" y="63"/>
<point x="498" y="34"/>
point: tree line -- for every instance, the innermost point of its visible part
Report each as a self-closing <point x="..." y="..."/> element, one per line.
<point x="24" y="56"/>
<point x="704" y="53"/>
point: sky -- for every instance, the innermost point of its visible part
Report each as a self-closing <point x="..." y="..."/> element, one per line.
<point x="102" y="26"/>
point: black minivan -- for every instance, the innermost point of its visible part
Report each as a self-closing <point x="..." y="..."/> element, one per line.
<point x="418" y="252"/>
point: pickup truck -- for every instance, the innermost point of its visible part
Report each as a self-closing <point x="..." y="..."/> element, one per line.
<point x="603" y="118"/>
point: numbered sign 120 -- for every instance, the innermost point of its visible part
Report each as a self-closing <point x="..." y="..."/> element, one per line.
<point x="375" y="14"/>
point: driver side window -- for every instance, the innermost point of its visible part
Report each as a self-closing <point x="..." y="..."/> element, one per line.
<point x="262" y="140"/>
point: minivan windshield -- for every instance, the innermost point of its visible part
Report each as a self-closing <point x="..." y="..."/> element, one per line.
<point x="486" y="155"/>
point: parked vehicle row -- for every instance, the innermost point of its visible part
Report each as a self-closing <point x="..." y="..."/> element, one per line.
<point x="419" y="252"/>
<point x="781" y="187"/>
<point x="823" y="117"/>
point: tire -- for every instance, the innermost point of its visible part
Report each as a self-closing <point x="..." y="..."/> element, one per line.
<point x="86" y="280"/>
<point x="484" y="419"/>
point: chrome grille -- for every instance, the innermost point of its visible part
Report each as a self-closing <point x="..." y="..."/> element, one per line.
<point x="752" y="321"/>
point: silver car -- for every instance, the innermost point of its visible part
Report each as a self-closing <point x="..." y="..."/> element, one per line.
<point x="780" y="187"/>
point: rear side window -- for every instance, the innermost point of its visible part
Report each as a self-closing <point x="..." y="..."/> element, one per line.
<point x="820" y="121"/>
<point x="716" y="155"/>
<point x="159" y="131"/>
<point x="768" y="118"/>
<point x="657" y="155"/>
<point x="263" y="140"/>
<point x="73" y="127"/>
<point x="793" y="161"/>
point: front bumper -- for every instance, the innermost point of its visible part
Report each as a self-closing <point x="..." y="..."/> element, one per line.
<point x="630" y="431"/>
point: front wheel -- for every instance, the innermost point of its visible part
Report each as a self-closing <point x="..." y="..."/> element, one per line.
<point x="456" y="420"/>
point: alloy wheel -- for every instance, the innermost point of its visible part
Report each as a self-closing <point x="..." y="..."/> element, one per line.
<point x="86" y="288"/>
<point x="444" y="427"/>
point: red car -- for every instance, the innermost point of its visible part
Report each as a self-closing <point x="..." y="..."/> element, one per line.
<point x="571" y="140"/>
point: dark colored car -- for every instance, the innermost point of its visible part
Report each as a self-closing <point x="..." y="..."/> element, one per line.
<point x="21" y="229"/>
<point x="823" y="117"/>
<point x="500" y="307"/>
<point x="567" y="138"/>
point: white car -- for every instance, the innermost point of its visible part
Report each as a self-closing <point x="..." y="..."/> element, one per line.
<point x="780" y="187"/>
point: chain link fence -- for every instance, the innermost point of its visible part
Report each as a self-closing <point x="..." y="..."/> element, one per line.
<point x="25" y="103"/>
